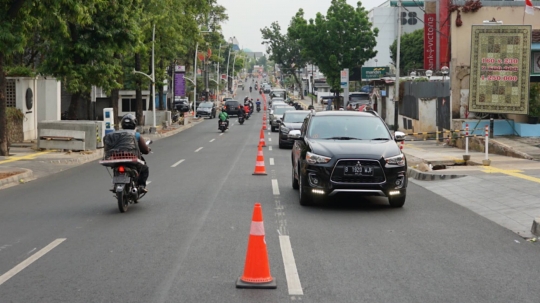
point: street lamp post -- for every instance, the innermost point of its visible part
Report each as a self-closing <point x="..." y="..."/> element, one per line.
<point x="152" y="78"/>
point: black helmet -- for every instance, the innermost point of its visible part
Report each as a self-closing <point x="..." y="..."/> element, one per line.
<point x="128" y="122"/>
<point x="310" y="107"/>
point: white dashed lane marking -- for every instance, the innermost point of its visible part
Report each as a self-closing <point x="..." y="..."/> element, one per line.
<point x="212" y="140"/>
<point x="271" y="161"/>
<point x="291" y="271"/>
<point x="269" y="147"/>
<point x="198" y="149"/>
<point x="24" y="264"/>
<point x="177" y="163"/>
<point x="275" y="187"/>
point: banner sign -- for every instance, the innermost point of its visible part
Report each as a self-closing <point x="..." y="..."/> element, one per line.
<point x="370" y="73"/>
<point x="430" y="45"/>
<point x="179" y="85"/>
<point x="500" y="65"/>
<point x="344" y="78"/>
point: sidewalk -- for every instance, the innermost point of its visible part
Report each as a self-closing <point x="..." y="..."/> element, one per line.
<point x="506" y="192"/>
<point x="26" y="163"/>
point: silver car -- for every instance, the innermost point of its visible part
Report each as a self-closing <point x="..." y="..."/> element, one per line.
<point x="276" y="116"/>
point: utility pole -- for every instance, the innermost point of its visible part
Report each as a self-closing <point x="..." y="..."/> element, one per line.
<point x="396" y="93"/>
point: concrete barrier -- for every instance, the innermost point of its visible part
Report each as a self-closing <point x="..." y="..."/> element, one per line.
<point x="70" y="134"/>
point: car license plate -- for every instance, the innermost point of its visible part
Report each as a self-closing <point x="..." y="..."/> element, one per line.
<point x="122" y="179"/>
<point x="358" y="171"/>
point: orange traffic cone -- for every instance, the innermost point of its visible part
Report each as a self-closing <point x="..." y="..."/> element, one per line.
<point x="264" y="126"/>
<point x="257" y="268"/>
<point x="259" y="164"/>
<point x="261" y="138"/>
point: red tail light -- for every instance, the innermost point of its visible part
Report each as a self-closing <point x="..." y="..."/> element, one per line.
<point x="121" y="169"/>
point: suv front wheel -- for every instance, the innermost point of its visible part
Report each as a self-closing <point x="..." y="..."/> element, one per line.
<point x="303" y="196"/>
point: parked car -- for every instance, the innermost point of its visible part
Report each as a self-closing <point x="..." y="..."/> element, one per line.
<point x="182" y="105"/>
<point x="347" y="152"/>
<point x="207" y="109"/>
<point x="292" y="120"/>
<point x="231" y="107"/>
<point x="277" y="114"/>
<point x="275" y="100"/>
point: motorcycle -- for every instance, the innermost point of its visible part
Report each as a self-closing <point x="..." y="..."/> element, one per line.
<point x="125" y="167"/>
<point x="222" y="126"/>
<point x="250" y="89"/>
<point x="241" y="119"/>
<point x="258" y="107"/>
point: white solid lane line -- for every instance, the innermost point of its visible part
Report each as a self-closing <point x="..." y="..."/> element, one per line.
<point x="212" y="140"/>
<point x="198" y="149"/>
<point x="269" y="147"/>
<point x="15" y="270"/>
<point x="275" y="187"/>
<point x="271" y="161"/>
<point x="176" y="164"/>
<point x="291" y="272"/>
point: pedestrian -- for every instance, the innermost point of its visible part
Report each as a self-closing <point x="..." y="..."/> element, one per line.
<point x="349" y="107"/>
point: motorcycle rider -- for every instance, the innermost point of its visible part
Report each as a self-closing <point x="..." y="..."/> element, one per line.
<point x="241" y="112"/>
<point x="247" y="110"/>
<point x="129" y="122"/>
<point x="258" y="104"/>
<point x="223" y="116"/>
<point x="251" y="105"/>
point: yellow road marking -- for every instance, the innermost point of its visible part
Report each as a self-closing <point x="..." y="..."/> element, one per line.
<point x="511" y="172"/>
<point x="27" y="157"/>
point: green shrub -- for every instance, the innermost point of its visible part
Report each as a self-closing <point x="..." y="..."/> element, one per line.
<point x="19" y="71"/>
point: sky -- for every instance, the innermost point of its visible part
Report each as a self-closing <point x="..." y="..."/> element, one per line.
<point x="247" y="17"/>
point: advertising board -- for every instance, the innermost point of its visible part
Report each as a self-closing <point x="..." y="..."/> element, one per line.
<point x="500" y="65"/>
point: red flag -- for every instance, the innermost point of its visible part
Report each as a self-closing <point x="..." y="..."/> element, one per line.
<point x="200" y="56"/>
<point x="209" y="54"/>
<point x="529" y="8"/>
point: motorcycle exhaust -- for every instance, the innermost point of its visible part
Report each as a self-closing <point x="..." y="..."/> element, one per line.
<point x="134" y="191"/>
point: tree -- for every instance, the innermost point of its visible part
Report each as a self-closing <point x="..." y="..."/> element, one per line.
<point x="341" y="39"/>
<point x="411" y="52"/>
<point x="284" y="50"/>
<point x="17" y="20"/>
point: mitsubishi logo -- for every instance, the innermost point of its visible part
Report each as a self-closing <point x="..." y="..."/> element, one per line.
<point x="358" y="164"/>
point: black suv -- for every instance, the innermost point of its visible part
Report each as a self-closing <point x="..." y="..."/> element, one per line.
<point x="340" y="152"/>
<point x="231" y="107"/>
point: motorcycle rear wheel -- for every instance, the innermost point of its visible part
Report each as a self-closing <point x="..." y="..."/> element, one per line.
<point x="122" y="202"/>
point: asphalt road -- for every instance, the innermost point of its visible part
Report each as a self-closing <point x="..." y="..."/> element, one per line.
<point x="186" y="241"/>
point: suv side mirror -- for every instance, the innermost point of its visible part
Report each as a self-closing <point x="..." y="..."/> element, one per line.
<point x="295" y="135"/>
<point x="399" y="136"/>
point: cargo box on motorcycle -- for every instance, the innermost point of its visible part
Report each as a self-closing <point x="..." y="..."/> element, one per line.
<point x="121" y="147"/>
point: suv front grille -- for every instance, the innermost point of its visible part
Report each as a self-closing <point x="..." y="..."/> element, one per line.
<point x="339" y="177"/>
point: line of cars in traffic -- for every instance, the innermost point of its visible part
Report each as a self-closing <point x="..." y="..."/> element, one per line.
<point x="341" y="153"/>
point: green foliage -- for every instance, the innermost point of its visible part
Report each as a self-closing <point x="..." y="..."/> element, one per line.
<point x="20" y="71"/>
<point x="534" y="100"/>
<point x="411" y="51"/>
<point x="341" y="39"/>
<point x="14" y="114"/>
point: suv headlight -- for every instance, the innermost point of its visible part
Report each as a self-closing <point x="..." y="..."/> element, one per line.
<point x="398" y="160"/>
<point x="312" y="158"/>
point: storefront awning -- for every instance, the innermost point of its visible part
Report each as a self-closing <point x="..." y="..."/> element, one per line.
<point x="535" y="46"/>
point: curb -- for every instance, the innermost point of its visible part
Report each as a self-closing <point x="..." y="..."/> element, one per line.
<point x="424" y="176"/>
<point x="16" y="179"/>
<point x="98" y="154"/>
<point x="535" y="228"/>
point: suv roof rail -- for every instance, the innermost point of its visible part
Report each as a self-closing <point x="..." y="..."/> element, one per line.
<point x="371" y="111"/>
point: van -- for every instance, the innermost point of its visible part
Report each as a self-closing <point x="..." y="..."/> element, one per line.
<point x="360" y="98"/>
<point x="278" y="93"/>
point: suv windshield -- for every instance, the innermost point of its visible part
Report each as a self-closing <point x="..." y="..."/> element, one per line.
<point x="281" y="110"/>
<point x="359" y="98"/>
<point x="294" y="117"/>
<point x="348" y="128"/>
